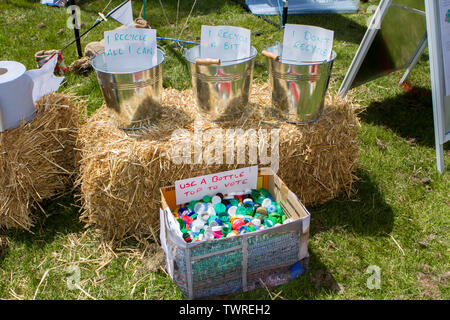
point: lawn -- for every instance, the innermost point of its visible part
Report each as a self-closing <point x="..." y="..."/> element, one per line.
<point x="397" y="220"/>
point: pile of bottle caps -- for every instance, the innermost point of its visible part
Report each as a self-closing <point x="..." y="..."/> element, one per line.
<point x="220" y="216"/>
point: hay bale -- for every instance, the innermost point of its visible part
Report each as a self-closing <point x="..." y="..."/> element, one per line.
<point x="121" y="173"/>
<point x="37" y="159"/>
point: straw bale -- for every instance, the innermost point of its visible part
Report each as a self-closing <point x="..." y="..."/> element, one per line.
<point x="121" y="172"/>
<point x="37" y="159"/>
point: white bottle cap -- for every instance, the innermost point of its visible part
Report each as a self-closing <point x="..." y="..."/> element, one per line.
<point x="266" y="203"/>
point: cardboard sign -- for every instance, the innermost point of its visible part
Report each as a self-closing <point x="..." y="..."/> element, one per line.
<point x="130" y="49"/>
<point x="225" y="43"/>
<point x="307" y="43"/>
<point x="224" y="182"/>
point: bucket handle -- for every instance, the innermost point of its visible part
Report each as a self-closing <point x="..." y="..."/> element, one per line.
<point x="270" y="55"/>
<point x="207" y="61"/>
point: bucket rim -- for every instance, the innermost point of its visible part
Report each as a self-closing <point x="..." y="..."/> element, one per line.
<point x="222" y="62"/>
<point x="96" y="68"/>
<point x="300" y="63"/>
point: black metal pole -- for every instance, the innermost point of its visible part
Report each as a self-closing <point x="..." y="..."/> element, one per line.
<point x="285" y="12"/>
<point x="77" y="38"/>
<point x="76" y="30"/>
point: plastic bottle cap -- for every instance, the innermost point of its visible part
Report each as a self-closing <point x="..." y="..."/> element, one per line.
<point x="241" y="211"/>
<point x="256" y="222"/>
<point x="220" y="208"/>
<point x="269" y="222"/>
<point x="266" y="202"/>
<point x="262" y="211"/>
<point x="234" y="202"/>
<point x="265" y="192"/>
<point x="238" y="223"/>
<point x="242" y="229"/>
<point x="213" y="221"/>
<point x="216" y="199"/>
<point x="260" y="199"/>
<point x="199" y="207"/>
<point x="211" y="211"/>
<point x="232" y="210"/>
<point x="271" y="208"/>
<point x="204" y="216"/>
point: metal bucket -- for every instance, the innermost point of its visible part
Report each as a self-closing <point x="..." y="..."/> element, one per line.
<point x="298" y="88"/>
<point x="221" y="91"/>
<point x="133" y="97"/>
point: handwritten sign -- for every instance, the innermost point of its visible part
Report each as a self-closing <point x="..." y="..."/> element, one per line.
<point x="307" y="43"/>
<point x="130" y="49"/>
<point x="225" y="43"/>
<point x="224" y="182"/>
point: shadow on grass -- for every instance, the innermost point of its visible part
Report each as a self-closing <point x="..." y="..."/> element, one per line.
<point x="344" y="28"/>
<point x="365" y="213"/>
<point x="409" y="115"/>
<point x="62" y="218"/>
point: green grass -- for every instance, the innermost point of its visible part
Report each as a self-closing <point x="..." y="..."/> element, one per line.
<point x="400" y="195"/>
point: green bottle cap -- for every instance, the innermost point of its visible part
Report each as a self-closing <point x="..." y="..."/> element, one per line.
<point x="191" y="204"/>
<point x="269" y="222"/>
<point x="260" y="199"/>
<point x="207" y="199"/>
<point x="181" y="223"/>
<point x="264" y="192"/>
<point x="211" y="219"/>
<point x="255" y="194"/>
<point x="220" y="208"/>
<point x="234" y="202"/>
<point x="241" y="211"/>
<point x="224" y="218"/>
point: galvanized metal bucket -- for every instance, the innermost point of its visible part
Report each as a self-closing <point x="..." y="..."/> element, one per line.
<point x="298" y="88"/>
<point x="221" y="91"/>
<point x="133" y="97"/>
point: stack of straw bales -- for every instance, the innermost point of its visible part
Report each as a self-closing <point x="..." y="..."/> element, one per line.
<point x="121" y="173"/>
<point x="37" y="160"/>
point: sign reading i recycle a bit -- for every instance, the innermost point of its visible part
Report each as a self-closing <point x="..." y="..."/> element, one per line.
<point x="130" y="49"/>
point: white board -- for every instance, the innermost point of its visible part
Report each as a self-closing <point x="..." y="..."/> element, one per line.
<point x="438" y="31"/>
<point x="439" y="57"/>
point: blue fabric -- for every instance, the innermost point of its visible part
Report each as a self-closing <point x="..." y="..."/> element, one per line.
<point x="273" y="7"/>
<point x="54" y="3"/>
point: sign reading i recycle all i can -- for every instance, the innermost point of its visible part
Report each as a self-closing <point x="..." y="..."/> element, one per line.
<point x="130" y="50"/>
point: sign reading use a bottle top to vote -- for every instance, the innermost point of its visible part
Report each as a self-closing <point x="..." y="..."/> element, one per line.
<point x="224" y="182"/>
<point x="127" y="48"/>
<point x="307" y="43"/>
<point x="225" y="43"/>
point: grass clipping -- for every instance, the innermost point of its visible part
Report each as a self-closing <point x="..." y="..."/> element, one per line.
<point x="37" y="160"/>
<point x="121" y="172"/>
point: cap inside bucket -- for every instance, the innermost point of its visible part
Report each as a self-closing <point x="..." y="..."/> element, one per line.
<point x="3" y="71"/>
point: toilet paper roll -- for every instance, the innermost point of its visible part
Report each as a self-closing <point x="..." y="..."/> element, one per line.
<point x="16" y="95"/>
